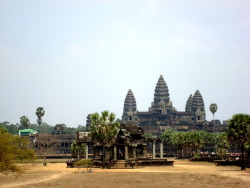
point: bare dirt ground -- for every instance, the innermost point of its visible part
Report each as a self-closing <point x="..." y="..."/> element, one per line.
<point x="182" y="174"/>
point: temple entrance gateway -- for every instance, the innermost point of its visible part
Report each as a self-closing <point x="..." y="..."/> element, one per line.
<point x="121" y="152"/>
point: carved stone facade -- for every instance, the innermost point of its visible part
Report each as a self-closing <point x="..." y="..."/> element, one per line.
<point x="162" y="115"/>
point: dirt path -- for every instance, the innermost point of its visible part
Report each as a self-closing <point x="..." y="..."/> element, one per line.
<point x="34" y="181"/>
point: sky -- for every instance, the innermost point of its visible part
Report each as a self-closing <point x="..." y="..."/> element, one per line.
<point x="82" y="56"/>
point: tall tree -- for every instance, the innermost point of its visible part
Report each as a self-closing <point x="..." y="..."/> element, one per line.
<point x="238" y="133"/>
<point x="104" y="128"/>
<point x="24" y="120"/>
<point x="213" y="108"/>
<point x="40" y="113"/>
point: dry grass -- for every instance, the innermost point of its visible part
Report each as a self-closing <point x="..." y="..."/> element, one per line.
<point x="183" y="174"/>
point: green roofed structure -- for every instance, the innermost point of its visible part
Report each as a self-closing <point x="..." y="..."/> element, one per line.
<point x="28" y="132"/>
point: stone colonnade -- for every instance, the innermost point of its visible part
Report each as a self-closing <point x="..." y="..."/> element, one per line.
<point x="161" y="150"/>
<point x="126" y="156"/>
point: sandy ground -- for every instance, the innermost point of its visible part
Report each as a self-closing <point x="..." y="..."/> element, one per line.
<point x="183" y="173"/>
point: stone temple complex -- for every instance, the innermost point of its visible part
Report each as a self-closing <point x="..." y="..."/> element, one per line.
<point x="162" y="115"/>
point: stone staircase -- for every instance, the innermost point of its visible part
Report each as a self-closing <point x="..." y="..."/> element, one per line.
<point x="120" y="164"/>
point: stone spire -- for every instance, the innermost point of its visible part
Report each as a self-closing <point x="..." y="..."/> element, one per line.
<point x="197" y="102"/>
<point x="161" y="95"/>
<point x="129" y="103"/>
<point x="189" y="104"/>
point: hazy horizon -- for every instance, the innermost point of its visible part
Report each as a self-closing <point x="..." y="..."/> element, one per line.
<point x="79" y="57"/>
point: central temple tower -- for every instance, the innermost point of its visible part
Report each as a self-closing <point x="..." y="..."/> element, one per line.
<point x="161" y="97"/>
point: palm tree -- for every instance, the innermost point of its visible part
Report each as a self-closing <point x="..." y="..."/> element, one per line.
<point x="40" y="113"/>
<point x="104" y="128"/>
<point x="238" y="133"/>
<point x="213" y="108"/>
<point x="24" y="120"/>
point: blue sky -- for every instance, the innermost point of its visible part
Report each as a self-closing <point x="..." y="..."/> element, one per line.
<point x="78" y="57"/>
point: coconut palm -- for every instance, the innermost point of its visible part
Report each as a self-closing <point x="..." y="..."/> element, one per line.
<point x="238" y="133"/>
<point x="24" y="120"/>
<point x="40" y="113"/>
<point x="104" y="128"/>
<point x="213" y="108"/>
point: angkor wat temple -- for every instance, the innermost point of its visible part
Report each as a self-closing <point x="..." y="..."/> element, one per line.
<point x="162" y="115"/>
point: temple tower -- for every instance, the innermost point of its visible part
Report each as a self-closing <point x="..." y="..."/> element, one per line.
<point x="129" y="108"/>
<point x="161" y="97"/>
<point x="198" y="106"/>
<point x="189" y="104"/>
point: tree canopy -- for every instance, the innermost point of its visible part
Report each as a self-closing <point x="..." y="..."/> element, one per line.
<point x="12" y="149"/>
<point x="24" y="120"/>
<point x="239" y="133"/>
<point x="213" y="108"/>
<point x="104" y="127"/>
<point x="40" y="113"/>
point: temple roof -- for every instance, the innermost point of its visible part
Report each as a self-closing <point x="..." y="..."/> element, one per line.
<point x="197" y="102"/>
<point x="161" y="95"/>
<point x="161" y="90"/>
<point x="129" y="103"/>
<point x="189" y="104"/>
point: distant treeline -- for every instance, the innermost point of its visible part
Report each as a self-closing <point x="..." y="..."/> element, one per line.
<point x="45" y="128"/>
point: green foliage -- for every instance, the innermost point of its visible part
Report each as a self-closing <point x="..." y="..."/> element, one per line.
<point x="13" y="148"/>
<point x="75" y="148"/>
<point x="238" y="133"/>
<point x="188" y="142"/>
<point x="87" y="163"/>
<point x="11" y="128"/>
<point x="239" y="130"/>
<point x="197" y="155"/>
<point x="213" y="108"/>
<point x="221" y="152"/>
<point x="40" y="113"/>
<point x="104" y="127"/>
<point x="25" y="121"/>
<point x="148" y="135"/>
<point x="44" y="127"/>
<point x="221" y="141"/>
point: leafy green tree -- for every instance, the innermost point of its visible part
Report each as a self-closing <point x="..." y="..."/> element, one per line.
<point x="238" y="133"/>
<point x="24" y="120"/>
<point x="104" y="128"/>
<point x="167" y="138"/>
<point x="40" y="113"/>
<point x="222" y="144"/>
<point x="178" y="142"/>
<point x="209" y="141"/>
<point x="213" y="108"/>
<point x="13" y="148"/>
<point x="77" y="149"/>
